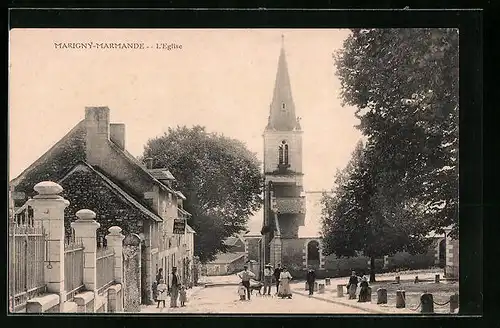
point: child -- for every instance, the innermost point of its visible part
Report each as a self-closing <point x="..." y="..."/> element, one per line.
<point x="182" y="295"/>
<point x="162" y="292"/>
<point x="242" y="291"/>
<point x="154" y="288"/>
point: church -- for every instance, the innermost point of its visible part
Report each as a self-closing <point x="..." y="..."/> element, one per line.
<point x="283" y="238"/>
<point x="289" y="233"/>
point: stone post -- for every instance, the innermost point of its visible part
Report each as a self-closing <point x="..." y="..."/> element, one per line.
<point x="453" y="303"/>
<point x="427" y="303"/>
<point x="85" y="230"/>
<point x="132" y="272"/>
<point x="115" y="241"/>
<point x="340" y="290"/>
<point x="321" y="289"/>
<point x="381" y="296"/>
<point x="400" y="299"/>
<point x="48" y="208"/>
<point x="437" y="279"/>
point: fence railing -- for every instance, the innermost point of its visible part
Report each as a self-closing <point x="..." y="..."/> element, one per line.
<point x="26" y="259"/>
<point x="74" y="261"/>
<point x="105" y="266"/>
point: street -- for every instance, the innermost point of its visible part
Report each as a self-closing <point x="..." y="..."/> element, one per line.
<point x="225" y="299"/>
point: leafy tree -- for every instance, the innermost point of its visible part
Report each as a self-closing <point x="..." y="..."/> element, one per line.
<point x="359" y="219"/>
<point x="220" y="178"/>
<point x="404" y="86"/>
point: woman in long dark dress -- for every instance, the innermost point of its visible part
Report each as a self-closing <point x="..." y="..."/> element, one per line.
<point x="363" y="293"/>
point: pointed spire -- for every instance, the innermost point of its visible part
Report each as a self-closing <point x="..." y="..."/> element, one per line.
<point x="282" y="111"/>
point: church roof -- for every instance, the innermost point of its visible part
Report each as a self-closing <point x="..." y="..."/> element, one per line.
<point x="282" y="110"/>
<point x="227" y="258"/>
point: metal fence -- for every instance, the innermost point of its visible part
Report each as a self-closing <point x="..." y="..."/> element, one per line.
<point x="26" y="258"/>
<point x="74" y="261"/>
<point x="105" y="268"/>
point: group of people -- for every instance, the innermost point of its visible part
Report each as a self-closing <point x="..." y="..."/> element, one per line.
<point x="352" y="286"/>
<point x="280" y="275"/>
<point x="174" y="289"/>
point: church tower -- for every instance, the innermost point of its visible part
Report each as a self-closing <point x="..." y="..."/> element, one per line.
<point x="284" y="204"/>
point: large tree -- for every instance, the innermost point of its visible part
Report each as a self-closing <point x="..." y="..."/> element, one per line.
<point x="220" y="178"/>
<point x="358" y="219"/>
<point x="404" y="86"/>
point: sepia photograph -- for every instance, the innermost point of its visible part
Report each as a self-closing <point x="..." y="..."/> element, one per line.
<point x="237" y="171"/>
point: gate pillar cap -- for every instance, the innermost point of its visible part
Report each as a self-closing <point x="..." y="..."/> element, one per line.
<point x="48" y="188"/>
<point x="86" y="214"/>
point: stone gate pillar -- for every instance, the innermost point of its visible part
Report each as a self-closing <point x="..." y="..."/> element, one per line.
<point x="132" y="273"/>
<point x="48" y="208"/>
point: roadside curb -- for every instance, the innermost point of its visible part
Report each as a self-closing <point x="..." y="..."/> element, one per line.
<point x="341" y="303"/>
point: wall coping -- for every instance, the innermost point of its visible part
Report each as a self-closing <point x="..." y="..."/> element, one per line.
<point x="115" y="287"/>
<point x="45" y="301"/>
<point x="84" y="298"/>
<point x="100" y="301"/>
<point x="70" y="307"/>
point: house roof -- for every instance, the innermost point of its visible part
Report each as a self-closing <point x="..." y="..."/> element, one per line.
<point x="189" y="229"/>
<point x="181" y="195"/>
<point x="161" y="174"/>
<point x="76" y="134"/>
<point x="117" y="190"/>
<point x="226" y="258"/>
<point x="231" y="241"/>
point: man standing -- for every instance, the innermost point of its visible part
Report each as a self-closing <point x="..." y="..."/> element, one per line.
<point x="245" y="277"/>
<point x="277" y="273"/>
<point x="352" y="285"/>
<point x="174" y="283"/>
<point x="311" y="279"/>
<point x="268" y="277"/>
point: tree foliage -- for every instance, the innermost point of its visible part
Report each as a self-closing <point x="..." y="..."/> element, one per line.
<point x="404" y="84"/>
<point x="220" y="178"/>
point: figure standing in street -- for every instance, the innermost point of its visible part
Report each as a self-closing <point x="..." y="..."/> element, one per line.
<point x="154" y="289"/>
<point x="159" y="275"/>
<point x="363" y="292"/>
<point x="245" y="277"/>
<point x="162" y="293"/>
<point x="352" y="285"/>
<point x="277" y="273"/>
<point x="175" y="283"/>
<point x="311" y="279"/>
<point x="182" y="296"/>
<point x="268" y="278"/>
<point x="284" y="287"/>
<point x="242" y="291"/>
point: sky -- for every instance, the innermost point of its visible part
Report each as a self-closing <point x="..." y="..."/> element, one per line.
<point x="222" y="79"/>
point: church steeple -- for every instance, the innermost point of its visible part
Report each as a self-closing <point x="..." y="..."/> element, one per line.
<point x="282" y="110"/>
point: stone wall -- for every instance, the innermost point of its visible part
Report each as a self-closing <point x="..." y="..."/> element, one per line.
<point x="452" y="258"/>
<point x="85" y="189"/>
<point x="132" y="273"/>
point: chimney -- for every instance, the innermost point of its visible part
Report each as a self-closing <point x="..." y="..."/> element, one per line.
<point x="97" y="128"/>
<point x="149" y="163"/>
<point x="117" y="134"/>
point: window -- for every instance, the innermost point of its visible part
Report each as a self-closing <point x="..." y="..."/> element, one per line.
<point x="283" y="107"/>
<point x="283" y="153"/>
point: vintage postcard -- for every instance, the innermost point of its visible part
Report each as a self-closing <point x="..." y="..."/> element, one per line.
<point x="254" y="171"/>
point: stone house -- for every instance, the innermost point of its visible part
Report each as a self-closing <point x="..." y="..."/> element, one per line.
<point x="96" y="171"/>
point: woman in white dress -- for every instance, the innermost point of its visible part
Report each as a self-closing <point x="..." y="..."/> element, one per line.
<point x="284" y="288"/>
<point x="162" y="293"/>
